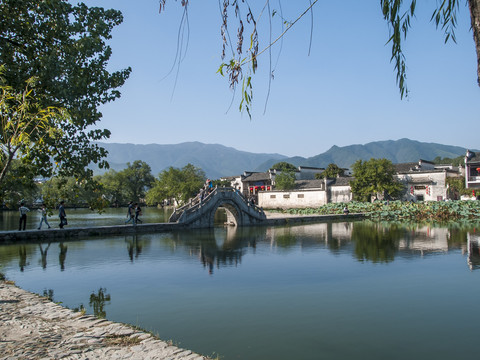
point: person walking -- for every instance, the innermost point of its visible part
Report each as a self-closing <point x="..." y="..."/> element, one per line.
<point x="43" y="210"/>
<point x="62" y="215"/>
<point x="138" y="212"/>
<point x="23" y="216"/>
<point x="130" y="213"/>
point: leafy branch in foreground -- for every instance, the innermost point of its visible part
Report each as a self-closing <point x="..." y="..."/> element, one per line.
<point x="25" y="125"/>
<point x="397" y="13"/>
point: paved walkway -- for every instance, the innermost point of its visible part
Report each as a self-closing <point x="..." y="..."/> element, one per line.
<point x="32" y="327"/>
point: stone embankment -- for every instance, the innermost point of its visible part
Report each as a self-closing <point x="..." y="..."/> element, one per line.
<point x="32" y="327"/>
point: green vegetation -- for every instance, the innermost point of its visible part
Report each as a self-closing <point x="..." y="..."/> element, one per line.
<point x="459" y="160"/>
<point x="54" y="58"/>
<point x="284" y="166"/>
<point x="180" y="184"/>
<point x="332" y="171"/>
<point x="374" y="179"/>
<point x="398" y="210"/>
<point x="285" y="180"/>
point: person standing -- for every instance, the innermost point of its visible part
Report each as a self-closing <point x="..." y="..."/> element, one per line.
<point x="23" y="216"/>
<point x="62" y="215"/>
<point x="130" y="213"/>
<point x="44" y="217"/>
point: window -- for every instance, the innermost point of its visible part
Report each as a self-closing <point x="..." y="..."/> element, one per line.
<point x="300" y="196"/>
<point x="286" y="196"/>
<point x="273" y="196"/>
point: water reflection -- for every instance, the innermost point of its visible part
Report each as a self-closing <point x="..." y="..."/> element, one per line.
<point x="62" y="255"/>
<point x="98" y="301"/>
<point x="226" y="246"/>
<point x="314" y="285"/>
<point x="134" y="247"/>
<point x="44" y="255"/>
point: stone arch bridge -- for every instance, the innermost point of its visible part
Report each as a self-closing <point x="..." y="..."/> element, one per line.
<point x="200" y="214"/>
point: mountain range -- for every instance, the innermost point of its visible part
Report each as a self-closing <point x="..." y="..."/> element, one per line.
<point x="218" y="160"/>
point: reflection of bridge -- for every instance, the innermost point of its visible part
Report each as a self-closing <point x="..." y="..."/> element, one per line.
<point x="200" y="214"/>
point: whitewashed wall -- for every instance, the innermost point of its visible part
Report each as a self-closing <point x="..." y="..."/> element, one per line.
<point x="291" y="199"/>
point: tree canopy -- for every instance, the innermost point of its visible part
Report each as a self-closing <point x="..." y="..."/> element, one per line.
<point x="374" y="179"/>
<point x="285" y="180"/>
<point x="284" y="166"/>
<point x="179" y="184"/>
<point x="332" y="171"/>
<point x="63" y="48"/>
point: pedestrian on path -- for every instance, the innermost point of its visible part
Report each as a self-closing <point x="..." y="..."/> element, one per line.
<point x="44" y="217"/>
<point x="62" y="215"/>
<point x="138" y="212"/>
<point x="23" y="216"/>
<point x="130" y="213"/>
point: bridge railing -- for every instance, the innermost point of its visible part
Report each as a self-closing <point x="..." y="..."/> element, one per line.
<point x="194" y="205"/>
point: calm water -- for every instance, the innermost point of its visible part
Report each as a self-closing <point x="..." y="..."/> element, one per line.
<point x="82" y="217"/>
<point x="350" y="290"/>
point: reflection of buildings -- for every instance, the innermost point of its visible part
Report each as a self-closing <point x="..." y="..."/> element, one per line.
<point x="473" y="246"/>
<point x="425" y="239"/>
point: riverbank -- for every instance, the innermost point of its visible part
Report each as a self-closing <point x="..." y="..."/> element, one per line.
<point x="32" y="327"/>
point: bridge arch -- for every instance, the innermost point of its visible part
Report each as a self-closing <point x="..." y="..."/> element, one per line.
<point x="201" y="214"/>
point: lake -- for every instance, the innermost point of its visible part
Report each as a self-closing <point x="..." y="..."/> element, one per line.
<point x="337" y="290"/>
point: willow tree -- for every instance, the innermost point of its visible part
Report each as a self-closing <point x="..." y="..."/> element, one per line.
<point x="63" y="47"/>
<point x="241" y="65"/>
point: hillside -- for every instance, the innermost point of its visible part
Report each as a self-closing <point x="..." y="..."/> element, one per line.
<point x="215" y="160"/>
<point x="397" y="151"/>
<point x="218" y="160"/>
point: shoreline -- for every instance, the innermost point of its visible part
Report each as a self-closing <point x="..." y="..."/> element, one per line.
<point x="33" y="327"/>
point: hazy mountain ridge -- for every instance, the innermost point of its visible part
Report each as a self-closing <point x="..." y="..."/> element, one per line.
<point x="397" y="151"/>
<point x="218" y="160"/>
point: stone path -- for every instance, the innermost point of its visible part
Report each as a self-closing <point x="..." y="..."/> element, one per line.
<point x="32" y="327"/>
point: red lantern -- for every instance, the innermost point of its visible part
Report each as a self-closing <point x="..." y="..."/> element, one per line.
<point x="268" y="188"/>
<point x="263" y="187"/>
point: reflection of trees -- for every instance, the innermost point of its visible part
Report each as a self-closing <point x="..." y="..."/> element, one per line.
<point x="22" y="257"/>
<point x="44" y="255"/>
<point x="218" y="247"/>
<point x="375" y="242"/>
<point x="98" y="302"/>
<point x="48" y="294"/>
<point x="62" y="256"/>
<point x="134" y="247"/>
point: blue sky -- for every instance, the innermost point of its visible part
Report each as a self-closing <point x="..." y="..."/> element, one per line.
<point x="343" y="93"/>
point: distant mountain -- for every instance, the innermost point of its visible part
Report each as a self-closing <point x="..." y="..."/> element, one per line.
<point x="215" y="160"/>
<point x="218" y="160"/>
<point x="397" y="151"/>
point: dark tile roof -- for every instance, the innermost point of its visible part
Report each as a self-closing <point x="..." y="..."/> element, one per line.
<point x="340" y="181"/>
<point x="405" y="167"/>
<point x="263" y="176"/>
<point x="308" y="184"/>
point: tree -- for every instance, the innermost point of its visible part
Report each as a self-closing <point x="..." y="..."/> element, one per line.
<point x="63" y="47"/>
<point x="332" y="171"/>
<point x="25" y="124"/>
<point x="374" y="179"/>
<point x="285" y="180"/>
<point x="75" y="193"/>
<point x="137" y="180"/>
<point x="284" y="166"/>
<point x="19" y="185"/>
<point x="243" y="63"/>
<point x="113" y="187"/>
<point x="174" y="183"/>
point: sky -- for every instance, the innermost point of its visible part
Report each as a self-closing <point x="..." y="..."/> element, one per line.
<point x="344" y="92"/>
